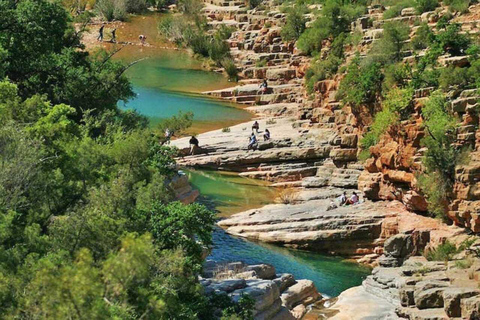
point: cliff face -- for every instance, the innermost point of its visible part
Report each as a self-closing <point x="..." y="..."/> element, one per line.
<point x="396" y="160"/>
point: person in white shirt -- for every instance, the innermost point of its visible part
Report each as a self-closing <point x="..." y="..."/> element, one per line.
<point x="353" y="199"/>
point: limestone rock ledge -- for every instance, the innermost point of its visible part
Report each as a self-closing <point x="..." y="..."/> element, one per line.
<point x="277" y="296"/>
<point x="419" y="289"/>
<point x="349" y="231"/>
<point x="182" y="189"/>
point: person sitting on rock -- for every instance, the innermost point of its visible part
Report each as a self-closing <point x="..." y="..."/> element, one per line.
<point x="266" y="135"/>
<point x="353" y="199"/>
<point x="264" y="86"/>
<point x="193" y="145"/>
<point x="342" y="200"/>
<point x="338" y="202"/>
<point x="255" y="127"/>
<point x="252" y="144"/>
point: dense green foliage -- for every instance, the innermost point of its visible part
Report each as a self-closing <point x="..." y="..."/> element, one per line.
<point x="441" y="156"/>
<point x="334" y="19"/>
<point x="443" y="252"/>
<point x="395" y="104"/>
<point x="193" y="32"/>
<point x="295" y="24"/>
<point x="362" y="83"/>
<point x="88" y="224"/>
<point x="42" y="57"/>
<point x="389" y="47"/>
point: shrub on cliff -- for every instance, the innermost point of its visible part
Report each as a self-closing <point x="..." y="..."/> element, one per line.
<point x="362" y="83"/>
<point x="441" y="156"/>
<point x="230" y="68"/>
<point x="457" y="5"/>
<point x="394" y="107"/>
<point x="423" y="38"/>
<point x="425" y="5"/>
<point x="396" y="7"/>
<point x="294" y="26"/>
<point x="334" y="19"/>
<point x="389" y="47"/>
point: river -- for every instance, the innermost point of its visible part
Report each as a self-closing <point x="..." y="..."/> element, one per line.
<point x="169" y="81"/>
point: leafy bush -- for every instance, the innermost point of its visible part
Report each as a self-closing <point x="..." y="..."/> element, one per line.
<point x="396" y="8"/>
<point x="452" y="41"/>
<point x="443" y="252"/>
<point x="118" y="9"/>
<point x="457" y="5"/>
<point x="389" y="48"/>
<point x="425" y="5"/>
<point x="396" y="75"/>
<point x="230" y="68"/>
<point x="361" y="84"/>
<point x="424" y="37"/>
<point x="395" y="103"/>
<point x="441" y="156"/>
<point x="175" y="124"/>
<point x="190" y="6"/>
<point x="335" y="18"/>
<point x="174" y="29"/>
<point x="294" y="26"/>
<point x="454" y="76"/>
<point x="320" y="70"/>
<point x="261" y="63"/>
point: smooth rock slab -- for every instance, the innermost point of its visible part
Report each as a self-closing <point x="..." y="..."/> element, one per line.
<point x="299" y="293"/>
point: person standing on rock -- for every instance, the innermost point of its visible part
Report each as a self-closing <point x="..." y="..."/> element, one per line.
<point x="142" y="38"/>
<point x="255" y="127"/>
<point x="114" y="37"/>
<point x="252" y="142"/>
<point x="100" y="33"/>
<point x="193" y="145"/>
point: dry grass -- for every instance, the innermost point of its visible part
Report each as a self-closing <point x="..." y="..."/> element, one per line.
<point x="288" y="196"/>
<point x="224" y="272"/>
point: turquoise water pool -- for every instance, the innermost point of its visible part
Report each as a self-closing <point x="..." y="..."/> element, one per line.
<point x="167" y="81"/>
<point x="229" y="194"/>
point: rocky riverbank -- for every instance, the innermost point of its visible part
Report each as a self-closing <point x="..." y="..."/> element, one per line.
<point x="277" y="296"/>
<point x="313" y="154"/>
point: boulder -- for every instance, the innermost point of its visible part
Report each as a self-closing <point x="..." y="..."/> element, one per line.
<point x="470" y="308"/>
<point x="264" y="292"/>
<point x="227" y="285"/>
<point x="303" y="291"/>
<point x="263" y="271"/>
<point x="452" y="299"/>
<point x="430" y="298"/>
<point x="399" y="246"/>
<point x="284" y="281"/>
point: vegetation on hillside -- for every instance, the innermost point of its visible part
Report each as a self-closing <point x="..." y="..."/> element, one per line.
<point x="89" y="228"/>
<point x="383" y="83"/>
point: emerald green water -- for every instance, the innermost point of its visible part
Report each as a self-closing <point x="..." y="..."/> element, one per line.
<point x="230" y="194"/>
<point x="167" y="81"/>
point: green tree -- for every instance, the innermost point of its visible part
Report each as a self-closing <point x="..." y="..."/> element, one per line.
<point x="294" y="26"/>
<point x="362" y="83"/>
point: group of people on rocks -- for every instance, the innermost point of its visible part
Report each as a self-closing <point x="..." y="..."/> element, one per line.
<point x="343" y="200"/>
<point x="252" y="140"/>
<point x="113" y="33"/>
<point x="141" y="37"/>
